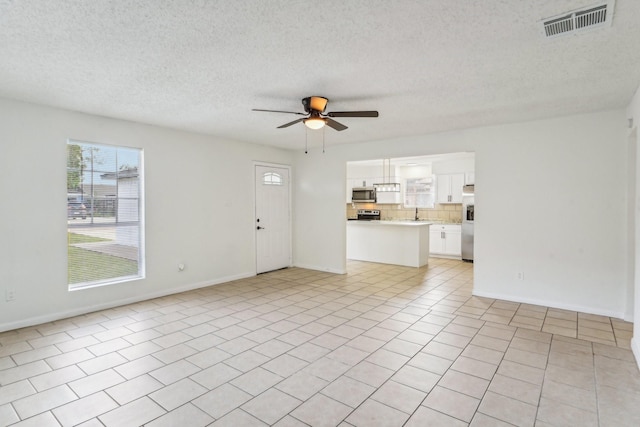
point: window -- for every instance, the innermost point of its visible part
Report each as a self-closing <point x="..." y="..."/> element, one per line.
<point x="418" y="193"/>
<point x="104" y="214"/>
<point x="272" y="178"/>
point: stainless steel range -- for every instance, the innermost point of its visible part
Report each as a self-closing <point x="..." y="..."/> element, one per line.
<point x="368" y="214"/>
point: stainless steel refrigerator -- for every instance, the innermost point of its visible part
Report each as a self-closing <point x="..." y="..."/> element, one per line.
<point x="468" y="213"/>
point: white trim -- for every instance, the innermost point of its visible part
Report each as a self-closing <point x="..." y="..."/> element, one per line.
<point x="318" y="268"/>
<point x="37" y="320"/>
<point x="552" y="304"/>
<point x="444" y="256"/>
<point x="290" y="209"/>
<point x="635" y="348"/>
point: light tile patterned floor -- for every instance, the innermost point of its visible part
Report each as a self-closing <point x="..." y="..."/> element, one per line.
<point x="380" y="346"/>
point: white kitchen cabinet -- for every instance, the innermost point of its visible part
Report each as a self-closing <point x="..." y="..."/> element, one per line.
<point x="470" y="178"/>
<point x="445" y="240"/>
<point x="449" y="188"/>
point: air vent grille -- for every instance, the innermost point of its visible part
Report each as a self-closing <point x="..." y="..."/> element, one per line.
<point x="579" y="20"/>
<point x="558" y="26"/>
<point x="595" y="16"/>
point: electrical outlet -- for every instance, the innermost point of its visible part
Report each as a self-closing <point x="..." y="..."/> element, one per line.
<point x="10" y="294"/>
<point x="520" y="275"/>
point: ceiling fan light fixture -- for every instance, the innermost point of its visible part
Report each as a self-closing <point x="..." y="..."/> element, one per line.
<point x="315" y="123"/>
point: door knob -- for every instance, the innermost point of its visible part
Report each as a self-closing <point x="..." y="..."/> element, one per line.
<point x="259" y="228"/>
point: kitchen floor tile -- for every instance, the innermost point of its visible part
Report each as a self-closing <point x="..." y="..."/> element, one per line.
<point x="515" y="389"/>
<point x="43" y="401"/>
<point x="256" y="381"/>
<point x="177" y="394"/>
<point x="508" y="410"/>
<point x="135" y="413"/>
<point x="222" y="400"/>
<point x="399" y="396"/>
<point x="84" y="409"/>
<point x="134" y="389"/>
<point x="417" y="378"/>
<point x="464" y="383"/>
<point x="302" y="385"/>
<point x="373" y="413"/>
<point x="452" y="403"/>
<point x="8" y="415"/>
<point x="557" y="413"/>
<point x="348" y="391"/>
<point x="96" y="382"/>
<point x="186" y="415"/>
<point x="238" y="417"/>
<point x="43" y="420"/>
<point x="271" y="406"/>
<point x="320" y="411"/>
<point x="424" y="416"/>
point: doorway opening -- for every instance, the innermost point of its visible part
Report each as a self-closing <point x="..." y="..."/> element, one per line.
<point x="428" y="188"/>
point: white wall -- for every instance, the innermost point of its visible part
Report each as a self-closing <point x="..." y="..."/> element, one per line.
<point x="550" y="198"/>
<point x="199" y="210"/>
<point x="633" y="113"/>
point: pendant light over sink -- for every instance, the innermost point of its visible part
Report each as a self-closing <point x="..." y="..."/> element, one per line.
<point x="386" y="186"/>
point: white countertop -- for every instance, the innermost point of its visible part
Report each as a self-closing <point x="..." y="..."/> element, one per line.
<point x="407" y="223"/>
<point x="423" y="221"/>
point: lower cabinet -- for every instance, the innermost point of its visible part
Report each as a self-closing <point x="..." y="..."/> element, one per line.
<point x="445" y="240"/>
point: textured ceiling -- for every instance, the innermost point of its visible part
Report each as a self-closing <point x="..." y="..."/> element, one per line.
<point x="426" y="66"/>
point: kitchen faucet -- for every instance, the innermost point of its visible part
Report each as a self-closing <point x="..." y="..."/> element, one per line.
<point x="416" y="218"/>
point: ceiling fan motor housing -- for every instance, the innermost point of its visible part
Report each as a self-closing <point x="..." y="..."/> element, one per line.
<point x="314" y="103"/>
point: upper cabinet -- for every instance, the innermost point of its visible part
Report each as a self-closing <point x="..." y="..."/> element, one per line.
<point x="470" y="178"/>
<point x="449" y="188"/>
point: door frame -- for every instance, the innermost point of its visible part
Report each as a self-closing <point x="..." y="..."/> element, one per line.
<point x="289" y="210"/>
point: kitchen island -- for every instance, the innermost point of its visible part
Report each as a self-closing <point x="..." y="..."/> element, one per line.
<point x="389" y="242"/>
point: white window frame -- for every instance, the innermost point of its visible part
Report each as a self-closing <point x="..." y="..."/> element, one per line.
<point x="140" y="222"/>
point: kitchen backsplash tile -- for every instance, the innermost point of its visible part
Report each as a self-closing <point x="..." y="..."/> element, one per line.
<point x="441" y="213"/>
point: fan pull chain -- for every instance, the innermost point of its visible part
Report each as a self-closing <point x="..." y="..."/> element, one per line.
<point x="306" y="141"/>
<point x="323" y="132"/>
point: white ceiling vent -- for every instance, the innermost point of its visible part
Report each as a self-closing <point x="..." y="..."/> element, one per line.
<point x="588" y="18"/>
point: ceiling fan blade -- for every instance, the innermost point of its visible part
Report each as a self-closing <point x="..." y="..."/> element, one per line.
<point x="335" y="125"/>
<point x="279" y="111"/>
<point x="286" y="125"/>
<point x="352" y="114"/>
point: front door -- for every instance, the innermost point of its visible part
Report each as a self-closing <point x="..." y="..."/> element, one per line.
<point x="272" y="222"/>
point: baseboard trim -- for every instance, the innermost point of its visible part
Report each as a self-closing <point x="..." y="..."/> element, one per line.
<point x="635" y="349"/>
<point x="51" y="317"/>
<point x="552" y="304"/>
<point x="318" y="268"/>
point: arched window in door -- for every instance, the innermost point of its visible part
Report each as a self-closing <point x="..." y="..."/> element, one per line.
<point x="272" y="178"/>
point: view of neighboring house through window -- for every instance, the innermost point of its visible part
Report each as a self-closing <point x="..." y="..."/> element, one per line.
<point x="104" y="214"/>
<point x="419" y="193"/>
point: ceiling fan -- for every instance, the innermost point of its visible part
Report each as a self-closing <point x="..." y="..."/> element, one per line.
<point x="316" y="119"/>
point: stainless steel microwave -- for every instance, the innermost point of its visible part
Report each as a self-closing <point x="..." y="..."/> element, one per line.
<point x="363" y="194"/>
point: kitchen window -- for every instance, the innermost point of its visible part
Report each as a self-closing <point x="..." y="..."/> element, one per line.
<point x="104" y="214"/>
<point x="418" y="193"/>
